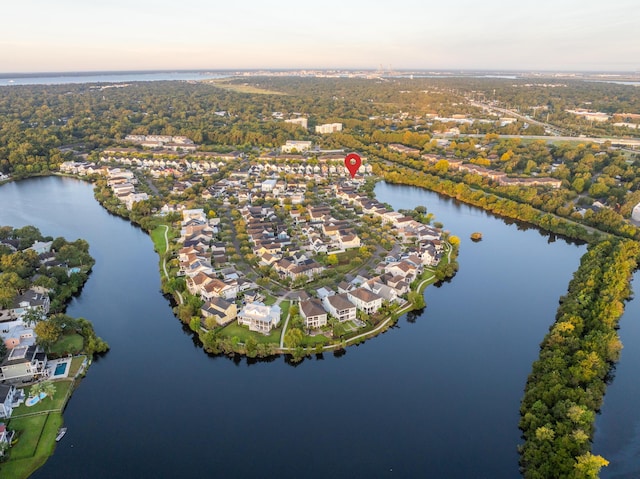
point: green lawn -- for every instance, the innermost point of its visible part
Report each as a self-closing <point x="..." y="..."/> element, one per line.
<point x="157" y="235"/>
<point x="269" y="300"/>
<point x="284" y="308"/>
<point x="311" y="341"/>
<point x="67" y="344"/>
<point x="62" y="387"/>
<point x="243" y="333"/>
<point x="36" y="442"/>
<point x="75" y="365"/>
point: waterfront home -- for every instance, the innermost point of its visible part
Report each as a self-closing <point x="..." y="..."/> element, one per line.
<point x="387" y="292"/>
<point x="223" y="311"/>
<point x="41" y="247"/>
<point x="313" y="313"/>
<point x="16" y="333"/>
<point x="6" y="437"/>
<point x="397" y="282"/>
<point x="402" y="268"/>
<point x="30" y="299"/>
<point x="8" y="396"/>
<point x="259" y="317"/>
<point x="365" y="300"/>
<point x="339" y="306"/>
<point x="23" y="363"/>
<point x="219" y="289"/>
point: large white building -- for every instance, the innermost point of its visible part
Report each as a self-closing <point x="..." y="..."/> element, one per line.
<point x="328" y="128"/>
<point x="635" y="214"/>
<point x="298" y="121"/>
<point x="296" y="145"/>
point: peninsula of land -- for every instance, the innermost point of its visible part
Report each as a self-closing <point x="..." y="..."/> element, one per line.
<point x="43" y="352"/>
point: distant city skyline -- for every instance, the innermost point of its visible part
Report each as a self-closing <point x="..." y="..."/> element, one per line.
<point x="74" y="35"/>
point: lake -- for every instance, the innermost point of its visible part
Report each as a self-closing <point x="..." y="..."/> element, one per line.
<point x="436" y="396"/>
<point x="103" y="77"/>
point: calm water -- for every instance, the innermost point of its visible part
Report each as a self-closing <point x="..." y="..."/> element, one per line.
<point x="437" y="396"/>
<point x="106" y="77"/>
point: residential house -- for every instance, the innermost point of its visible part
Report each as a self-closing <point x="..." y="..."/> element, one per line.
<point x="6" y="437"/>
<point x="30" y="299"/>
<point x="23" y="363"/>
<point x="339" y="306"/>
<point x="223" y="311"/>
<point x="402" y="268"/>
<point x="17" y="334"/>
<point x="216" y="288"/>
<point x="41" y="247"/>
<point x="313" y="313"/>
<point x="259" y="317"/>
<point x="8" y="396"/>
<point x="365" y="300"/>
<point x="387" y="292"/>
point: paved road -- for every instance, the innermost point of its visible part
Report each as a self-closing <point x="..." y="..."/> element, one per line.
<point x="551" y="128"/>
<point x="551" y="139"/>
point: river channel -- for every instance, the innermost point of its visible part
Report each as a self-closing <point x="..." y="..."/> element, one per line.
<point x="436" y="396"/>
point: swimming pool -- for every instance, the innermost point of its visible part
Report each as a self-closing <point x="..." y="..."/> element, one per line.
<point x="60" y="369"/>
<point x="33" y="400"/>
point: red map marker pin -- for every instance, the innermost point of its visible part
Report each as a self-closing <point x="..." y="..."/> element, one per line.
<point x="352" y="162"/>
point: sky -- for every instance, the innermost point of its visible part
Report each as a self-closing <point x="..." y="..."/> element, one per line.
<point x="90" y="35"/>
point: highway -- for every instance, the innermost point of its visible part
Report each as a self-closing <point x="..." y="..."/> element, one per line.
<point x="634" y="143"/>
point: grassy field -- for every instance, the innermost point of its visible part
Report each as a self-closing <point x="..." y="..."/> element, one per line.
<point x="75" y="366"/>
<point x="46" y="404"/>
<point x="243" y="88"/>
<point x="36" y="442"/>
<point x="68" y="344"/>
<point x="243" y="333"/>
<point x="311" y="341"/>
<point x="157" y="235"/>
<point x="284" y="308"/>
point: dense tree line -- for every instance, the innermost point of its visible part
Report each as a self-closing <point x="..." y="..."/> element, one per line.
<point x="22" y="269"/>
<point x="568" y="381"/>
<point x="500" y="206"/>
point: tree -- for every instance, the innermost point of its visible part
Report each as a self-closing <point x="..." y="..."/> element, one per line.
<point x="332" y="260"/>
<point x="46" y="387"/>
<point x="293" y="337"/>
<point x="48" y="332"/>
<point x="251" y="347"/>
<point x="588" y="466"/>
<point x="32" y="316"/>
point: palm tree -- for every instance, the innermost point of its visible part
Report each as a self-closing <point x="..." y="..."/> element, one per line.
<point x="46" y="387"/>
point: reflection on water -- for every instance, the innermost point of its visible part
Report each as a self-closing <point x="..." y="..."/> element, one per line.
<point x="436" y="396"/>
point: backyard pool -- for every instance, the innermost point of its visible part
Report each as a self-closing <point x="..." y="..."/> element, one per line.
<point x="33" y="400"/>
<point x="60" y="369"/>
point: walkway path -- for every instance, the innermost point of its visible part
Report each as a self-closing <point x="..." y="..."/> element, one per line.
<point x="164" y="260"/>
<point x="286" y="321"/>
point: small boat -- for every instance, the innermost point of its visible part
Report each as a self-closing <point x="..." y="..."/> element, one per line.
<point x="61" y="432"/>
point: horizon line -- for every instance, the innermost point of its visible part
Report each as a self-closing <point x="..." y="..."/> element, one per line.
<point x="298" y="69"/>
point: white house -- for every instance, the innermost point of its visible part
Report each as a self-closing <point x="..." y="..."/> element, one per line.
<point x="259" y="317"/>
<point x="8" y="395"/>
